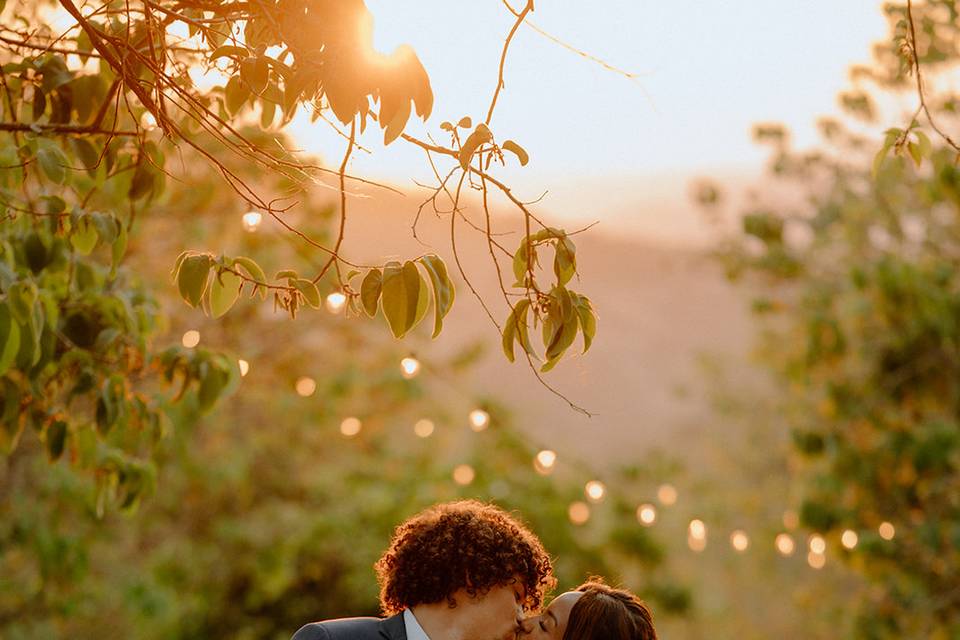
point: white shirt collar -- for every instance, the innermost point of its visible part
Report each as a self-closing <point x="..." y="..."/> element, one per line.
<point x="412" y="627"/>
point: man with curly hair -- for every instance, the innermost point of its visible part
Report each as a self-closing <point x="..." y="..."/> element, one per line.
<point x="456" y="571"/>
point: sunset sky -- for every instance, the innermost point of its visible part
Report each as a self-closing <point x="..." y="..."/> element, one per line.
<point x="604" y="146"/>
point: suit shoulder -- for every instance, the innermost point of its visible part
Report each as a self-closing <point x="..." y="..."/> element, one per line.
<point x="341" y="629"/>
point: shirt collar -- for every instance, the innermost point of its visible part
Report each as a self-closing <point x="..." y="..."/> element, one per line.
<point x="412" y="627"/>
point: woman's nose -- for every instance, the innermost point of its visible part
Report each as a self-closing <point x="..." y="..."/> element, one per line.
<point x="527" y="625"/>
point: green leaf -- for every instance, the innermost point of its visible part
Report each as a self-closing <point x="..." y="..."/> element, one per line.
<point x="443" y="291"/>
<point x="142" y="183"/>
<point x="924" y="143"/>
<point x="309" y="291"/>
<point x="252" y="268"/>
<point x="588" y="320"/>
<point x="118" y="249"/>
<point x="914" y="150"/>
<point x="213" y="381"/>
<point x="235" y="95"/>
<point x="9" y="338"/>
<point x="87" y="154"/>
<point x="11" y="426"/>
<point x="565" y="260"/>
<point x="515" y="328"/>
<point x="370" y="291"/>
<point x="401" y="289"/>
<point x="479" y="136"/>
<point x="55" y="436"/>
<point x="522" y="263"/>
<point x="224" y="291"/>
<point x="53" y="163"/>
<point x="193" y="276"/>
<point x="84" y="235"/>
<point x="289" y="274"/>
<point x="517" y="150"/>
<point x="509" y="334"/>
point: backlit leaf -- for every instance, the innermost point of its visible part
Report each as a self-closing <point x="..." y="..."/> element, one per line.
<point x="370" y="291"/>
<point x="443" y="291"/>
<point x="401" y="290"/>
<point x="224" y="291"/>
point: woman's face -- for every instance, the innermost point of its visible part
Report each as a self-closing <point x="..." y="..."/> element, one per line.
<point x="550" y="624"/>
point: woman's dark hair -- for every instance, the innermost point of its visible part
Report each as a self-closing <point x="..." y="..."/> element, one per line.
<point x="461" y="545"/>
<point x="606" y="613"/>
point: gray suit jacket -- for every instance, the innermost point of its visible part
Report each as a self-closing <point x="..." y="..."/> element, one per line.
<point x="391" y="628"/>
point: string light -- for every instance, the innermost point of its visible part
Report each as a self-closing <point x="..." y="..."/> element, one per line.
<point x="667" y="495"/>
<point x="463" y="474"/>
<point x="410" y="367"/>
<point x="886" y="530"/>
<point x="817" y="544"/>
<point x="698" y="530"/>
<point x="252" y="220"/>
<point x="305" y="386"/>
<point x="739" y="540"/>
<point x="423" y="428"/>
<point x="544" y="461"/>
<point x="148" y="122"/>
<point x="696" y="544"/>
<point x="849" y="539"/>
<point x="350" y="426"/>
<point x="335" y="302"/>
<point x="646" y="514"/>
<point x="595" y="490"/>
<point x="191" y="338"/>
<point x="244" y="367"/>
<point x="578" y="512"/>
<point x="791" y="520"/>
<point x="479" y="419"/>
<point x="816" y="560"/>
<point x="785" y="545"/>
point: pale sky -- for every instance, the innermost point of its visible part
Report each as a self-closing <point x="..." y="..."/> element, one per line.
<point x="603" y="146"/>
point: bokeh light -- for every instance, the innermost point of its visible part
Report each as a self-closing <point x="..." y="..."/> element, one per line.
<point x="350" y="426"/>
<point x="646" y="514"/>
<point x="595" y="490"/>
<point x="191" y="338"/>
<point x="739" y="540"/>
<point x="816" y="560"/>
<point x="849" y="539"/>
<point x="244" y="367"/>
<point x="791" y="520"/>
<point x="697" y="529"/>
<point x="479" y="419"/>
<point x="785" y="545"/>
<point x="335" y="302"/>
<point x="410" y="367"/>
<point x="463" y="474"/>
<point x="544" y="461"/>
<point x="578" y="512"/>
<point x="305" y="386"/>
<point x="817" y="544"/>
<point x="252" y="220"/>
<point x="423" y="428"/>
<point x="667" y="495"/>
<point x="886" y="530"/>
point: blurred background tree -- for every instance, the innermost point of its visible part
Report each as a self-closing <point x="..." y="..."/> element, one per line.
<point x="860" y="316"/>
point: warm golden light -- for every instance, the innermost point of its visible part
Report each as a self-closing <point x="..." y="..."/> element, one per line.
<point x="335" y="302"/>
<point x="595" y="490"/>
<point x="817" y="544"/>
<point x="791" y="520"/>
<point x="544" y="462"/>
<point x="305" y="386"/>
<point x="667" y="495"/>
<point x="423" y="428"/>
<point x="698" y="529"/>
<point x="578" y="512"/>
<point x="479" y="419"/>
<point x="785" y="545"/>
<point x="646" y="514"/>
<point x="696" y="544"/>
<point x="463" y="474"/>
<point x="350" y="426"/>
<point x="148" y="122"/>
<point x="816" y="560"/>
<point x="244" y="367"/>
<point x="849" y="539"/>
<point x="739" y="540"/>
<point x="191" y="339"/>
<point x="252" y="220"/>
<point x="886" y="530"/>
<point x="410" y="367"/>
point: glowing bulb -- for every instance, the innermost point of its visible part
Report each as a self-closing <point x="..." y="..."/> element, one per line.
<point x="696" y="544"/>
<point x="463" y="474"/>
<point x="667" y="495"/>
<point x="410" y="367"/>
<point x="244" y="367"/>
<point x="423" y="428"/>
<point x="816" y="560"/>
<point x="739" y="540"/>
<point x="791" y="520"/>
<point x="595" y="490"/>
<point x="252" y="220"/>
<point x="886" y="531"/>
<point x="479" y="419"/>
<point x="350" y="426"/>
<point x="306" y="386"/>
<point x="646" y="514"/>
<point x="785" y="544"/>
<point x="335" y="302"/>
<point x="698" y="530"/>
<point x="191" y="339"/>
<point x="578" y="512"/>
<point x="849" y="539"/>
<point x="544" y="462"/>
<point x="817" y="544"/>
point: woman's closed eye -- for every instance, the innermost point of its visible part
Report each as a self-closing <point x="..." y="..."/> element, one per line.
<point x="543" y="626"/>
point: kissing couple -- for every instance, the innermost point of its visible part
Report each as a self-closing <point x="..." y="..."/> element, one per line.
<point x="470" y="571"/>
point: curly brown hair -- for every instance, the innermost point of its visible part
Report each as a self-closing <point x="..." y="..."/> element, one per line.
<point x="461" y="545"/>
<point x="607" y="613"/>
